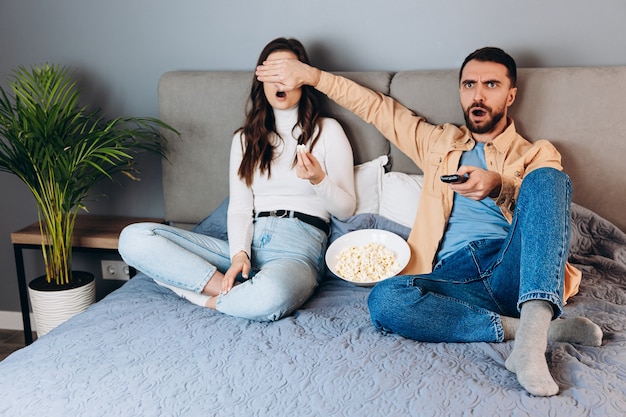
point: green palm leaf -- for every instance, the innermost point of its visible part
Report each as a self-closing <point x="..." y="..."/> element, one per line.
<point x="61" y="149"/>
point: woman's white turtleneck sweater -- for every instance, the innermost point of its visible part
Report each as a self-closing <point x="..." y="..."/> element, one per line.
<point x="284" y="190"/>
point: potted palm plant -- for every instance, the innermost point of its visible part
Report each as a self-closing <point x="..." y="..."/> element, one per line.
<point x="60" y="149"/>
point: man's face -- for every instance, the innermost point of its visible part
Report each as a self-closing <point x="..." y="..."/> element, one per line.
<point x="486" y="94"/>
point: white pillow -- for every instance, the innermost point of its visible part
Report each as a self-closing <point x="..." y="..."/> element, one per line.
<point x="400" y="196"/>
<point x="368" y="178"/>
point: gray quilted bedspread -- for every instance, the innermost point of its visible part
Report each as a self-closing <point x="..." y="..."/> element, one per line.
<point x="144" y="352"/>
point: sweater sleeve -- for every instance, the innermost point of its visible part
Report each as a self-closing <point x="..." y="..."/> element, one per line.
<point x="241" y="204"/>
<point x="336" y="191"/>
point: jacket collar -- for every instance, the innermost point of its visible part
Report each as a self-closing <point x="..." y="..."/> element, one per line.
<point x="503" y="141"/>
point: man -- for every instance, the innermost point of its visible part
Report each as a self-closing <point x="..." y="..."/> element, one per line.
<point x="488" y="251"/>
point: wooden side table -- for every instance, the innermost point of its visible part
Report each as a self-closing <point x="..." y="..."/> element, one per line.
<point x="91" y="232"/>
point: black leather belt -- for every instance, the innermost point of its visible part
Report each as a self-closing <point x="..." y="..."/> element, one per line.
<point x="312" y="220"/>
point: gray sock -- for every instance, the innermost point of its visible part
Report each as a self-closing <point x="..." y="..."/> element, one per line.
<point x="579" y="330"/>
<point x="528" y="360"/>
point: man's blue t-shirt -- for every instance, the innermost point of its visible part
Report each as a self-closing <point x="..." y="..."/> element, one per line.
<point x="472" y="220"/>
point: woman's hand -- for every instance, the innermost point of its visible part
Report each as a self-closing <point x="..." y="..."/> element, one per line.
<point x="240" y="263"/>
<point x="288" y="73"/>
<point x="309" y="168"/>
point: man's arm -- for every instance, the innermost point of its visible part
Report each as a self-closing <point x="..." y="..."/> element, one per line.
<point x="397" y="123"/>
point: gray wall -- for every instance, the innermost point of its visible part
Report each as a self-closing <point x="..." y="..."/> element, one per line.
<point x="119" y="49"/>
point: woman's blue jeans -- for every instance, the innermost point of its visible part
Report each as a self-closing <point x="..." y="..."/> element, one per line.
<point x="287" y="264"/>
<point x="467" y="292"/>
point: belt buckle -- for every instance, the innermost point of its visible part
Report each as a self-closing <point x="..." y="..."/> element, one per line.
<point x="279" y="213"/>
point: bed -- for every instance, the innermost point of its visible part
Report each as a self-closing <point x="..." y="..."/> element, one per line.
<point x="142" y="351"/>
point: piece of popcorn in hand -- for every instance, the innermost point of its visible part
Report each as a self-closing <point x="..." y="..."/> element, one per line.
<point x="301" y="148"/>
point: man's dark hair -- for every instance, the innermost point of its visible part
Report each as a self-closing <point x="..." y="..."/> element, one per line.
<point x="497" y="55"/>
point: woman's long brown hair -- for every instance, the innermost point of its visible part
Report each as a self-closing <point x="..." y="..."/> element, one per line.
<point x="260" y="123"/>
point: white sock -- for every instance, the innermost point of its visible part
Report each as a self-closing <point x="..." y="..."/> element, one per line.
<point x="193" y="297"/>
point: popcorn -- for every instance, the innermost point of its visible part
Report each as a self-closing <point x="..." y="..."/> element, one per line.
<point x="301" y="148"/>
<point x="367" y="263"/>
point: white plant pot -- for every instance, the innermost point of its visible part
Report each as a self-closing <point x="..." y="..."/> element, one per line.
<point x="51" y="307"/>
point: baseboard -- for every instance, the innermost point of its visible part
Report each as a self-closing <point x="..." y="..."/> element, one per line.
<point x="12" y="320"/>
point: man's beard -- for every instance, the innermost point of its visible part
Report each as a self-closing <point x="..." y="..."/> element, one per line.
<point x="495" y="119"/>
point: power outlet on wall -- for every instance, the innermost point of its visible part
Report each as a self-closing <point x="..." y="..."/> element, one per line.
<point x="115" y="270"/>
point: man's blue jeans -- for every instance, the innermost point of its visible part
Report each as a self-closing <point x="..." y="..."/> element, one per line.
<point x="467" y="292"/>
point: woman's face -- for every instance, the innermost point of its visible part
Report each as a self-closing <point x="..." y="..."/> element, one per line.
<point x="278" y="99"/>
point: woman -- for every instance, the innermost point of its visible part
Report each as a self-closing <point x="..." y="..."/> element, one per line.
<point x="290" y="170"/>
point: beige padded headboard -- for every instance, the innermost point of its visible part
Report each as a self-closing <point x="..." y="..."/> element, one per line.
<point x="579" y="109"/>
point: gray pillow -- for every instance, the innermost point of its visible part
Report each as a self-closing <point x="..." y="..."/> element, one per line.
<point x="215" y="224"/>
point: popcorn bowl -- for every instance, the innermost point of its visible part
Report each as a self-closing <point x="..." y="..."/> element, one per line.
<point x="367" y="265"/>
